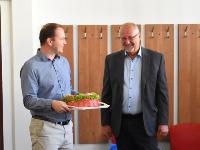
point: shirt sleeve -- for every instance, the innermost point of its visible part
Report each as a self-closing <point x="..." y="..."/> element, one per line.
<point x="30" y="85"/>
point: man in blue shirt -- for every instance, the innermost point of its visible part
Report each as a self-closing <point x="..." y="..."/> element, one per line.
<point x="45" y="79"/>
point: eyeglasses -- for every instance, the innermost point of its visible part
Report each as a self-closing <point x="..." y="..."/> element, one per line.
<point x="130" y="38"/>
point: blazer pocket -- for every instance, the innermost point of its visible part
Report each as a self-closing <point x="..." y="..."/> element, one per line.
<point x="155" y="109"/>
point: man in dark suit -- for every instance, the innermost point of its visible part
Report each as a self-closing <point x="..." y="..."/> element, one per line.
<point x="135" y="87"/>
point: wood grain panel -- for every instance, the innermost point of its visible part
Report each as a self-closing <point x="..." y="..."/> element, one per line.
<point x="116" y="42"/>
<point x="92" y="50"/>
<point x="168" y="51"/>
<point x="189" y="73"/>
<point x="161" y="38"/>
<point x="68" y="53"/>
<point x="68" y="49"/>
<point x="153" y="37"/>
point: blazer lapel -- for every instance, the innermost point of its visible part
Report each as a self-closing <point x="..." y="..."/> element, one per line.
<point x="121" y="66"/>
<point x="145" y="66"/>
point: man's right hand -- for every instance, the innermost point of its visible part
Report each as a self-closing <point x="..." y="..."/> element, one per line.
<point x="107" y="132"/>
<point x="59" y="106"/>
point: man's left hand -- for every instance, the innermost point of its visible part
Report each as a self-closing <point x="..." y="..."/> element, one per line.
<point x="162" y="130"/>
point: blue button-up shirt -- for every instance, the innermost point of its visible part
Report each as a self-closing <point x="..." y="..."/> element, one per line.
<point x="44" y="80"/>
<point x="132" y="84"/>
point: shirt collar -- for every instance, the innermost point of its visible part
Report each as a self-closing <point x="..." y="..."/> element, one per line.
<point x="44" y="57"/>
<point x="138" y="54"/>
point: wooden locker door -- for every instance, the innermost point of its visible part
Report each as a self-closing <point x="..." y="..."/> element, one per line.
<point x="189" y="73"/>
<point x="168" y="51"/>
<point x="68" y="49"/>
<point x="116" y="42"/>
<point x="92" y="50"/>
<point x="161" y="38"/>
<point x="153" y="37"/>
<point x="68" y="53"/>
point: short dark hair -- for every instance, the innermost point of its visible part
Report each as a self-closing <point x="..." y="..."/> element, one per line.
<point x="48" y="31"/>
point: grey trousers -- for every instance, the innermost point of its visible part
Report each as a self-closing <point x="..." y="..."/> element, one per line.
<point x="50" y="136"/>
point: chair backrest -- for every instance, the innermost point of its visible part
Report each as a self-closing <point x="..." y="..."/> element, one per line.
<point x="185" y="137"/>
<point x="113" y="139"/>
<point x="113" y="145"/>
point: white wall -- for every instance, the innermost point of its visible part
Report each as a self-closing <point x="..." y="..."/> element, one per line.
<point x="22" y="20"/>
<point x="22" y="42"/>
<point x="6" y="74"/>
<point x="116" y="11"/>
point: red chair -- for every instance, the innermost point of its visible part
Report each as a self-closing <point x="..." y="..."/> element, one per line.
<point x="185" y="137"/>
<point x="113" y="145"/>
<point x="113" y="140"/>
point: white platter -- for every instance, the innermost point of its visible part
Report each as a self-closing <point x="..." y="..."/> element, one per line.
<point x="102" y="105"/>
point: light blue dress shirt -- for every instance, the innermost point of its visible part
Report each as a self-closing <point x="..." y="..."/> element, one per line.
<point x="132" y="84"/>
<point x="44" y="80"/>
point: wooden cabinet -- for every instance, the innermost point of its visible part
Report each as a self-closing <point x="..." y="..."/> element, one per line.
<point x="189" y="73"/>
<point x="92" y="50"/>
<point x="161" y="38"/>
<point x="68" y="49"/>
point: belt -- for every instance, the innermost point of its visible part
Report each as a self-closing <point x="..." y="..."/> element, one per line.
<point x="63" y="122"/>
<point x="46" y="119"/>
<point x="130" y="116"/>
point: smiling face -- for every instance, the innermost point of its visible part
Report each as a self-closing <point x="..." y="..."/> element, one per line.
<point x="58" y="41"/>
<point x="130" y="38"/>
